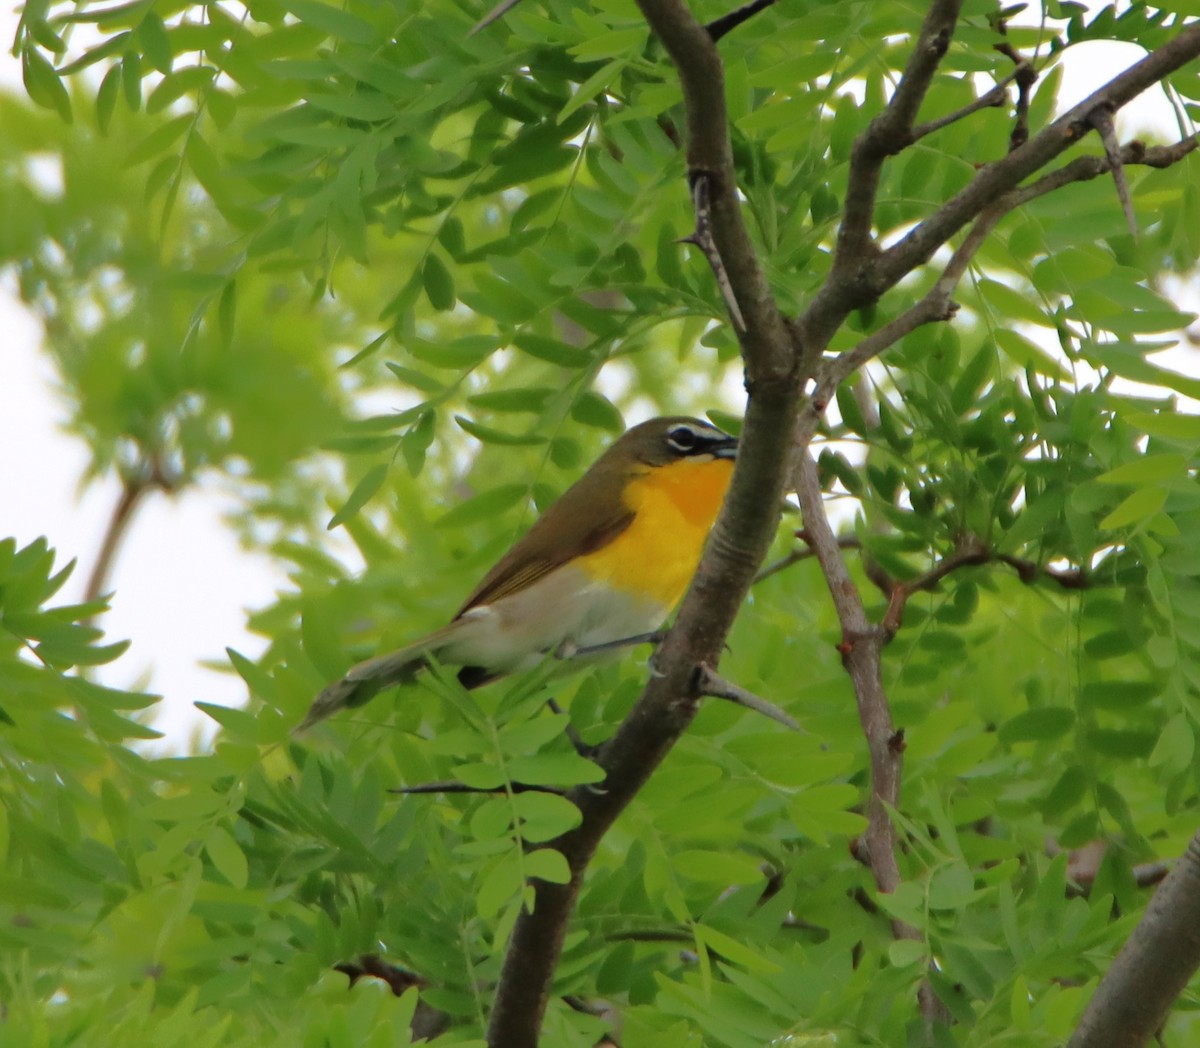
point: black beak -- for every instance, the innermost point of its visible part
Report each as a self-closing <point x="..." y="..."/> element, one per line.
<point x="723" y="447"/>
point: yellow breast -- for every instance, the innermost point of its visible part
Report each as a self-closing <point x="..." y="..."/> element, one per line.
<point x="675" y="506"/>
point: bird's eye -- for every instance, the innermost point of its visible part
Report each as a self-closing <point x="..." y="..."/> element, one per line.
<point x="682" y="438"/>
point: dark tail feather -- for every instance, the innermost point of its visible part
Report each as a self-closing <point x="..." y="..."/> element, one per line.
<point x="364" y="681"/>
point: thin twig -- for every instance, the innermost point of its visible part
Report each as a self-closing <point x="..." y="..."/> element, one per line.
<point x="970" y="551"/>
<point x="1026" y="76"/>
<point x="1029" y="571"/>
<point x="494" y="15"/>
<point x="703" y="239"/>
<point x="454" y="786"/>
<point x="797" y="555"/>
<point x="133" y="489"/>
<point x="990" y="99"/>
<point x="718" y="27"/>
<point x="711" y="684"/>
<point x="890" y="132"/>
<point x="937" y="304"/>
<point x="1102" y="121"/>
<point x="571" y="732"/>
<point x="999" y="178"/>
<point x="783" y="564"/>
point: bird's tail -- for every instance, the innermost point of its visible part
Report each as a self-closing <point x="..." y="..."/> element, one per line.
<point x="366" y="680"/>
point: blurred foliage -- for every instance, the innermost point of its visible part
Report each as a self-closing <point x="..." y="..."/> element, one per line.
<point x="386" y="276"/>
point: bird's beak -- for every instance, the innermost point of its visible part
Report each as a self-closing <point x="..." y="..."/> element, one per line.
<point x="724" y="448"/>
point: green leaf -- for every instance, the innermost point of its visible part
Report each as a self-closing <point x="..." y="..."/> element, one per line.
<point x="618" y="42"/>
<point x="717" y="867"/>
<point x="484" y="505"/>
<point x="552" y="350"/>
<point x="1149" y="469"/>
<point x="1010" y="304"/>
<point x="1143" y="503"/>
<point x="418" y="380"/>
<point x="480" y="776"/>
<point x="595" y="409"/>
<point x="1028" y="354"/>
<point x="733" y="950"/>
<point x="488" y="435"/>
<point x="370" y="483"/>
<point x="238" y="723"/>
<point x="526" y="400"/>
<point x="1049" y="722"/>
<point x="227" y="312"/>
<point x="592" y="86"/>
<point x="131" y="79"/>
<point x="904" y="952"/>
<point x="159" y="140"/>
<point x="548" y="865"/>
<point x="156" y="44"/>
<point x="106" y="98"/>
<point x="416" y="442"/>
<point x="545" y="816"/>
<point x="257" y="679"/>
<point x="499" y="886"/>
<point x="1167" y="425"/>
<point x="43" y="83"/>
<point x="1118" y="694"/>
<point x="554" y="769"/>
<point x="227" y="856"/>
<point x="466" y="352"/>
<point x="333" y="20"/>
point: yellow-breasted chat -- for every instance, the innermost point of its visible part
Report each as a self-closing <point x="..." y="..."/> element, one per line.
<point x="605" y="563"/>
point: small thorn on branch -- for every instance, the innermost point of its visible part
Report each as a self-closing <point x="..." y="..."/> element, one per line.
<point x="1102" y="120"/>
<point x="717" y="687"/>
<point x="703" y="239"/>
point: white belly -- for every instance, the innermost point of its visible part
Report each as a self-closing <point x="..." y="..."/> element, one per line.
<point x="563" y="609"/>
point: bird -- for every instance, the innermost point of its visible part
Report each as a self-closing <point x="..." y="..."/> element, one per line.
<point x="604" y="564"/>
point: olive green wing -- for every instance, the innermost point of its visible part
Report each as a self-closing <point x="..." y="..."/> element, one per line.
<point x="559" y="535"/>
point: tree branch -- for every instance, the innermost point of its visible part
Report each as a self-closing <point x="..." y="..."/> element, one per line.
<point x="862" y="655"/>
<point x="938" y="304"/>
<point x="1005" y="174"/>
<point x="736" y="547"/>
<point x="702" y="238"/>
<point x="715" y="686"/>
<point x="1102" y="121"/>
<point x="1133" y="999"/>
<point x="778" y="358"/>
<point x="889" y="133"/>
<point x="990" y="99"/>
<point x="454" y="786"/>
<point x="133" y="489"/>
<point x="970" y="552"/>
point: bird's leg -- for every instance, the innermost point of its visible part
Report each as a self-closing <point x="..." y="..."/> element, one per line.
<point x="571" y="651"/>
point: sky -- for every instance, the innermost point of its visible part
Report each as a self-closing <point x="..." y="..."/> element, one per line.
<point x="182" y="582"/>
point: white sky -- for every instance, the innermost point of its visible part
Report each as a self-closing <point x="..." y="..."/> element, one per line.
<point x="181" y="580"/>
